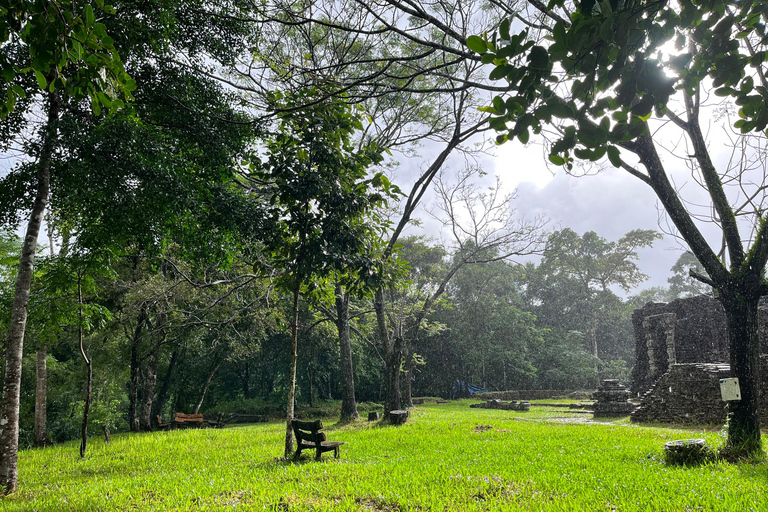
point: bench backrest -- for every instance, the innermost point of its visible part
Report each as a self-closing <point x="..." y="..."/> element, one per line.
<point x="192" y="418"/>
<point x="308" y="431"/>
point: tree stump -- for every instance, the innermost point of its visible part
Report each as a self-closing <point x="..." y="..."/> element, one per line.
<point x="374" y="416"/>
<point x="398" y="417"/>
<point x="686" y="452"/>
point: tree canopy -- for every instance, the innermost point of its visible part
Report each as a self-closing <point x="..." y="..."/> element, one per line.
<point x="596" y="81"/>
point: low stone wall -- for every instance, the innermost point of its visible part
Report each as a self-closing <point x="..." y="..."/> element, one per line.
<point x="535" y="394"/>
<point x="504" y="406"/>
<point x="689" y="393"/>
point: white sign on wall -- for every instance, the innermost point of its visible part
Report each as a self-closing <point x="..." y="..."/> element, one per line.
<point x="729" y="389"/>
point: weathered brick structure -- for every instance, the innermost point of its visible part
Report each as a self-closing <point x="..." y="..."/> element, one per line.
<point x="681" y="353"/>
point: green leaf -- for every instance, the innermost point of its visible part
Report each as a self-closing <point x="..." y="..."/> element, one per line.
<point x="643" y="107"/>
<point x="9" y="74"/>
<point x="500" y="72"/>
<point x="614" y="156"/>
<point x="499" y="105"/>
<point x="90" y="18"/>
<point x="41" y="81"/>
<point x="725" y="91"/>
<point x="523" y="136"/>
<point x="559" y="34"/>
<point x="562" y="111"/>
<point x="557" y="159"/>
<point x="95" y="105"/>
<point x="504" y="29"/>
<point x="477" y="44"/>
<point x="606" y="30"/>
<point x="539" y="58"/>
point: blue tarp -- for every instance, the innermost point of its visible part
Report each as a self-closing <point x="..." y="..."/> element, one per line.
<point x="462" y="388"/>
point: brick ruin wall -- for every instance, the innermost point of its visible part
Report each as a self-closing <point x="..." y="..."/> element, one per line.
<point x="681" y="353"/>
<point x="690" y="394"/>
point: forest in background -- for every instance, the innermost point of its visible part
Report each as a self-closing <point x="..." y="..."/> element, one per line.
<point x="162" y="338"/>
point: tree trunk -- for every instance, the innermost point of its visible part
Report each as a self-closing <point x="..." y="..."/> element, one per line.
<point x="246" y="380"/>
<point x="87" y="408"/>
<point x="406" y="384"/>
<point x="406" y="387"/>
<point x="150" y="382"/>
<point x="743" y="420"/>
<point x="9" y="410"/>
<point x="392" y="354"/>
<point x="292" y="373"/>
<point x="41" y="397"/>
<point x="348" y="404"/>
<point x="162" y="395"/>
<point x="207" y="384"/>
<point x="133" y="394"/>
<point x="593" y="340"/>
<point x="309" y="383"/>
<point x="394" y="359"/>
<point x="89" y="379"/>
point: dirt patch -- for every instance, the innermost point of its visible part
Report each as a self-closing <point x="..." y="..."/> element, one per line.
<point x="377" y="504"/>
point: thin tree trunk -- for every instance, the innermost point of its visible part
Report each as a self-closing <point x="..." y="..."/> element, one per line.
<point x="207" y="383"/>
<point x="150" y="382"/>
<point x="9" y="410"/>
<point x="391" y="354"/>
<point x="406" y="384"/>
<point x="394" y="363"/>
<point x="292" y="373"/>
<point x="133" y="395"/>
<point x="162" y="395"/>
<point x="348" y="404"/>
<point x="743" y="420"/>
<point x="593" y="339"/>
<point x="41" y="397"/>
<point x="246" y="381"/>
<point x="309" y="383"/>
<point x="89" y="380"/>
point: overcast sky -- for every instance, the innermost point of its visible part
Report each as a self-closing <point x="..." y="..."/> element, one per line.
<point x="610" y="202"/>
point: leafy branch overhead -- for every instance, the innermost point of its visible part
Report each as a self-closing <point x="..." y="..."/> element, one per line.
<point x="601" y="75"/>
<point x="322" y="204"/>
<point x="67" y="49"/>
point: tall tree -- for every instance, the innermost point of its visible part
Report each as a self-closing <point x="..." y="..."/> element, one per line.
<point x="575" y="276"/>
<point x="605" y="76"/>
<point x="483" y="228"/>
<point x="91" y="180"/>
<point x="321" y="200"/>
<point x="405" y="64"/>
<point x="43" y="38"/>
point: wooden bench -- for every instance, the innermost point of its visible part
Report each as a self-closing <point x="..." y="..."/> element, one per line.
<point x="309" y="437"/>
<point x="181" y="420"/>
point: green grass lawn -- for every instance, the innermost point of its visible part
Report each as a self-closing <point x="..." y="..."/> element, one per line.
<point x="447" y="457"/>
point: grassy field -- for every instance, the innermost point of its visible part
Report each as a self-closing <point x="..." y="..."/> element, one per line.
<point x="447" y="457"/>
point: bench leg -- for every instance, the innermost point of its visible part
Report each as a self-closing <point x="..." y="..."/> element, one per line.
<point x="336" y="452"/>
<point x="319" y="453"/>
<point x="297" y="455"/>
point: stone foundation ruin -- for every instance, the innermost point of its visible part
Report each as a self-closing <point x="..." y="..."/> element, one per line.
<point x="681" y="354"/>
<point x="612" y="399"/>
